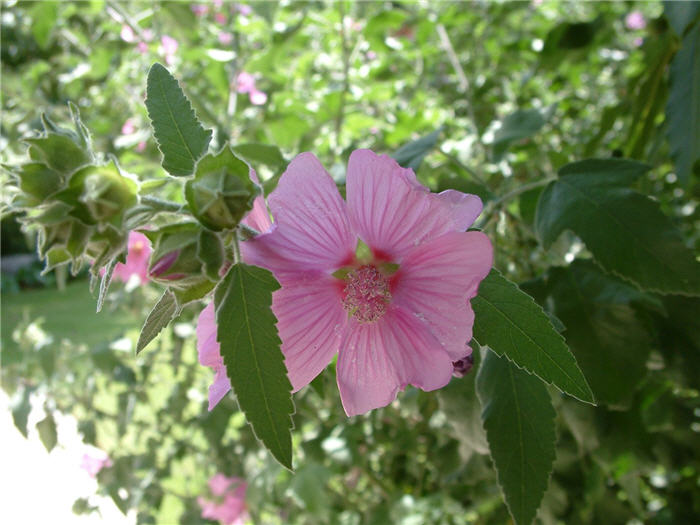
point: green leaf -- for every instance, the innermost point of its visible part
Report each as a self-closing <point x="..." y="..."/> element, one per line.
<point x="47" y="432"/>
<point x="251" y="351"/>
<point x="681" y="14"/>
<point x="181" y="138"/>
<point x="610" y="343"/>
<point x="256" y="153"/>
<point x="210" y="252"/>
<point x="625" y="231"/>
<point x="683" y="108"/>
<point x="21" y="407"/>
<point x="43" y="20"/>
<point x="105" y="282"/>
<point x="163" y="312"/>
<point x="519" y="422"/>
<point x="411" y="155"/>
<point x="58" y="151"/>
<point x="519" y="125"/>
<point x="512" y="324"/>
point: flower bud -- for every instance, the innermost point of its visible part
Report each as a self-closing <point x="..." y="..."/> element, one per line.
<point x="105" y="191"/>
<point x="221" y="192"/>
<point x="174" y="256"/>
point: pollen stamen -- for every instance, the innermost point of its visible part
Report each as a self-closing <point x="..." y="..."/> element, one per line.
<point x="366" y="295"/>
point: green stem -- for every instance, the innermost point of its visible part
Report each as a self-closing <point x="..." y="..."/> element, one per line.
<point x="160" y="204"/>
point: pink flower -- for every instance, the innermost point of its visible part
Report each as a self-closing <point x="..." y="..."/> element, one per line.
<point x="94" y="461"/>
<point x="225" y="38"/>
<point x="245" y="82"/>
<point x="220" y="18"/>
<point x="142" y="47"/>
<point x="218" y="3"/>
<point x="199" y="9"/>
<point x="147" y="34"/>
<point x="127" y="34"/>
<point x="244" y="9"/>
<point x="141" y="146"/>
<point x="635" y="20"/>
<point x="638" y="41"/>
<point x="257" y="98"/>
<point x="229" y="506"/>
<point x="170" y="45"/>
<point x="139" y="250"/>
<point x="128" y="127"/>
<point x="398" y="315"/>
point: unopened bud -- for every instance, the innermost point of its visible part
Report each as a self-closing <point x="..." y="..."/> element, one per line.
<point x="221" y="192"/>
<point x="106" y="192"/>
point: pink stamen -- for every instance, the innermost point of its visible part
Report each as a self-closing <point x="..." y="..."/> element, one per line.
<point x="366" y="294"/>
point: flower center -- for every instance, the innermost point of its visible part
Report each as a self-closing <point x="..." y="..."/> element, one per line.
<point x="366" y="294"/>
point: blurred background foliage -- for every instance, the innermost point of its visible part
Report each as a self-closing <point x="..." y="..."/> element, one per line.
<point x="487" y="98"/>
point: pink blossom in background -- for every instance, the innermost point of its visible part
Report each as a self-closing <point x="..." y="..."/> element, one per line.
<point x="635" y="20"/>
<point x="127" y="34"/>
<point x="170" y="46"/>
<point x="225" y="38"/>
<point x="257" y="98"/>
<point x="228" y="507"/>
<point x="245" y="82"/>
<point x="147" y="34"/>
<point x="142" y="47"/>
<point x="244" y="9"/>
<point x="371" y="55"/>
<point x="94" y="461"/>
<point x="199" y="9"/>
<point x="399" y="315"/>
<point x="139" y="250"/>
<point x="218" y="3"/>
<point x="128" y="127"/>
<point x="220" y="18"/>
<point x="638" y="41"/>
<point x="141" y="146"/>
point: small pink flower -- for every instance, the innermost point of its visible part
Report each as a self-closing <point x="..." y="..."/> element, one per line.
<point x="225" y="38"/>
<point x="218" y="3"/>
<point x="635" y="20"/>
<point x="257" y="98"/>
<point x="147" y="34"/>
<point x="139" y="250"/>
<point x="220" y="18"/>
<point x="399" y="315"/>
<point x="141" y="146"/>
<point x="94" y="461"/>
<point x="245" y="82"/>
<point x="127" y="34"/>
<point x="371" y="55"/>
<point x="638" y="41"/>
<point x="199" y="9"/>
<point x="128" y="127"/>
<point x="229" y="506"/>
<point x="244" y="9"/>
<point x="170" y="45"/>
<point x="142" y="47"/>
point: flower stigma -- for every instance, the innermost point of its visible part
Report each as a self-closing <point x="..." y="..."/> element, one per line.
<point x="366" y="295"/>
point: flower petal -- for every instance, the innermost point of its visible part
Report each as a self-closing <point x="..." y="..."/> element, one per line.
<point x="311" y="322"/>
<point x="464" y="207"/>
<point x="219" y="387"/>
<point x="377" y="359"/>
<point x="391" y="211"/>
<point x="436" y="281"/>
<point x="258" y="218"/>
<point x="207" y="346"/>
<point x="311" y="231"/>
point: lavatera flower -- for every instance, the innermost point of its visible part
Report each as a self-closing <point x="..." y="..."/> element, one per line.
<point x="393" y="307"/>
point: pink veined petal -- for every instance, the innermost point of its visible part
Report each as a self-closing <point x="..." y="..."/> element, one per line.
<point x="464" y="207"/>
<point x="311" y="322"/>
<point x="207" y="346"/>
<point x="258" y="218"/>
<point x="436" y="281"/>
<point x="390" y="210"/>
<point x="219" y="484"/>
<point x="219" y="387"/>
<point x="311" y="232"/>
<point x="378" y="359"/>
